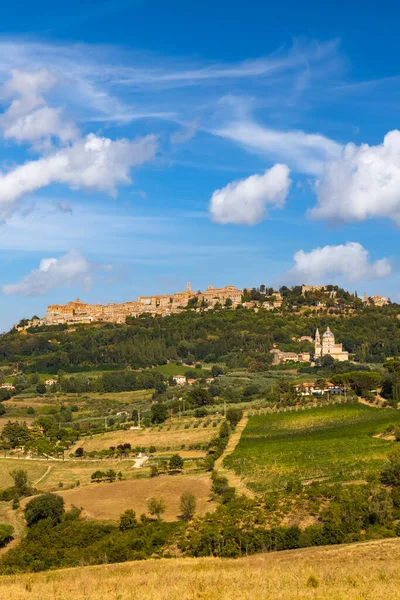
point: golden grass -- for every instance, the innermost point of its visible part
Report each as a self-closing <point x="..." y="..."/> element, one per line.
<point x="366" y="571"/>
<point x="35" y="469"/>
<point x="110" y="500"/>
<point x="173" y="439"/>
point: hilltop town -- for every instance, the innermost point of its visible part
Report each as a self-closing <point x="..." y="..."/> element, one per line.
<point x="323" y="297"/>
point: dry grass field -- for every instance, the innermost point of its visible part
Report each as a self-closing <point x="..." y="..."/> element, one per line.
<point x="35" y="470"/>
<point x="366" y="571"/>
<point x="172" y="439"/>
<point x="110" y="500"/>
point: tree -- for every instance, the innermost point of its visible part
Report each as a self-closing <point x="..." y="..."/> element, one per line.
<point x="188" y="506"/>
<point x="127" y="520"/>
<point x="175" y="462"/>
<point x="21" y="483"/>
<point x="159" y="413"/>
<point x="199" y="397"/>
<point x="41" y="388"/>
<point x="153" y="471"/>
<point x="111" y="475"/>
<point x="79" y="452"/>
<point x="46" y="506"/>
<point x="234" y="415"/>
<point x="6" y="534"/>
<point x="216" y="370"/>
<point x="228" y="303"/>
<point x="156" y="507"/>
<point x="97" y="476"/>
<point x="391" y="474"/>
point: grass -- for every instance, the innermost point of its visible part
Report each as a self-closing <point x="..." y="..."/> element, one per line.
<point x="163" y="439"/>
<point x="173" y="369"/>
<point x="367" y="571"/>
<point x="110" y="500"/>
<point x="35" y="470"/>
<point x="332" y="443"/>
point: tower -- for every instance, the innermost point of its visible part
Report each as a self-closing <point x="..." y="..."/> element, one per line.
<point x="188" y="287"/>
<point x="328" y="342"/>
<point x="318" y="347"/>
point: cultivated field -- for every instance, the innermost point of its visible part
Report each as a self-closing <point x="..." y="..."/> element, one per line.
<point x="110" y="500"/>
<point x="333" y="443"/>
<point x="367" y="571"/>
<point x="168" y="437"/>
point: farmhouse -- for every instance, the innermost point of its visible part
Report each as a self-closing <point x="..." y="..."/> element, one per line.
<point x="179" y="379"/>
<point x="312" y="389"/>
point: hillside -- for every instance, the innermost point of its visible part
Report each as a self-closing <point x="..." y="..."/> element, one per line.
<point x="369" y="571"/>
<point x="237" y="337"/>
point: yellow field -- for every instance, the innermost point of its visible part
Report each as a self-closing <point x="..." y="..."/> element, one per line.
<point x="172" y="439"/>
<point x="367" y="571"/>
<point x="128" y="397"/>
<point x="110" y="500"/>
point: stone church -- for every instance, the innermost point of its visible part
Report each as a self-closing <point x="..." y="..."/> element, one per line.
<point x="326" y="346"/>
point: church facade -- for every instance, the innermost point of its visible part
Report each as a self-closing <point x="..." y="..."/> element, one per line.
<point x="325" y="346"/>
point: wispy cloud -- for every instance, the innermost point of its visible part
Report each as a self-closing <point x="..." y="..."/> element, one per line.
<point x="306" y="152"/>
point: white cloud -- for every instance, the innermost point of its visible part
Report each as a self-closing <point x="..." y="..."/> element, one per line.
<point x="245" y="201"/>
<point x="306" y="152"/>
<point x="29" y="118"/>
<point x="72" y="269"/>
<point x="324" y="265"/>
<point x="185" y="134"/>
<point x="364" y="182"/>
<point x="91" y="163"/>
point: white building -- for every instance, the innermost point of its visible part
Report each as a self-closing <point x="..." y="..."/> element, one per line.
<point x="327" y="347"/>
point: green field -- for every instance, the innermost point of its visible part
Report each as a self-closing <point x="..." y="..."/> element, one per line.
<point x="173" y="369"/>
<point x="332" y="443"/>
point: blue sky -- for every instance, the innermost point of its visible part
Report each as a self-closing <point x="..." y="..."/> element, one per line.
<point x="144" y="144"/>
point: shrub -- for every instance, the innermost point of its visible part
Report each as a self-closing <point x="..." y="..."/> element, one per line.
<point x="234" y="415"/>
<point x="188" y="505"/>
<point x="46" y="506"/>
<point x="312" y="582"/>
<point x="127" y="520"/>
<point x="6" y="533"/>
<point x="175" y="462"/>
<point x="153" y="471"/>
<point x="200" y="412"/>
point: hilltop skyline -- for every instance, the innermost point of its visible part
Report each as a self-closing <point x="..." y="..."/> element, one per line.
<point x="143" y="147"/>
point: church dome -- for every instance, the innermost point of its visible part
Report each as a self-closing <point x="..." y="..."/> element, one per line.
<point x="328" y="334"/>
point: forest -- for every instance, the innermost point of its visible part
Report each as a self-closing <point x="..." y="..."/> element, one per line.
<point x="239" y="338"/>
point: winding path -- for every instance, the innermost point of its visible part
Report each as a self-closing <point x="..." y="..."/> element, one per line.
<point x="47" y="471"/>
<point x="233" y="478"/>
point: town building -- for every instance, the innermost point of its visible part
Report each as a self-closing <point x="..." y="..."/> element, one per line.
<point x="309" y="289"/>
<point x="326" y="346"/>
<point x="160" y="304"/>
<point x="179" y="379"/>
<point x="7" y="386"/>
<point x="375" y="300"/>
